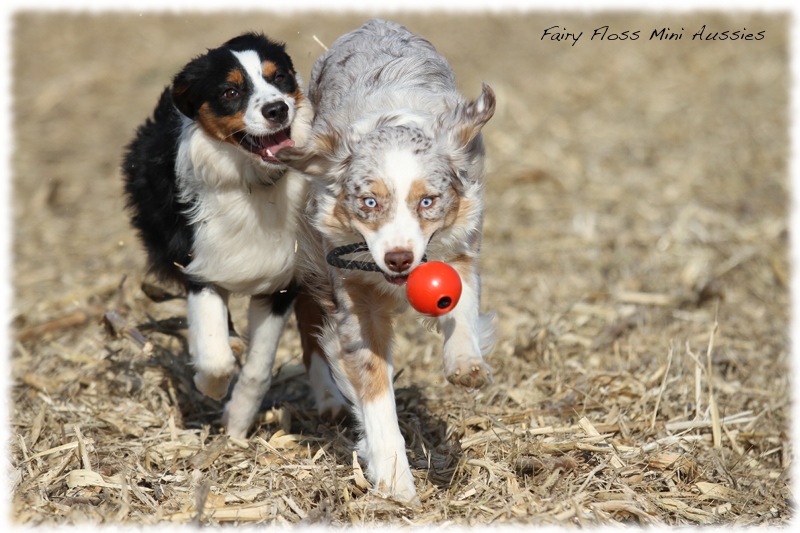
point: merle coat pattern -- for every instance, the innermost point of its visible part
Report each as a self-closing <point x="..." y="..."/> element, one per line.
<point x="398" y="161"/>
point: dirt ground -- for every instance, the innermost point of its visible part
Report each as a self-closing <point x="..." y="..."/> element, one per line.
<point x="635" y="251"/>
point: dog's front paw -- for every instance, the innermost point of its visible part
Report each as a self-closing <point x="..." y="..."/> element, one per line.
<point x="214" y="365"/>
<point x="471" y="374"/>
<point x="215" y="387"/>
<point x="333" y="411"/>
<point x="405" y="492"/>
<point x="331" y="405"/>
<point x="399" y="485"/>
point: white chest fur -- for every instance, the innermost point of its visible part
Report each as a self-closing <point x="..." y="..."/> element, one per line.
<point x="244" y="232"/>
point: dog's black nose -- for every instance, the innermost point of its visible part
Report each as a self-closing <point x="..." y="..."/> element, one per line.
<point x="399" y="261"/>
<point x="276" y="112"/>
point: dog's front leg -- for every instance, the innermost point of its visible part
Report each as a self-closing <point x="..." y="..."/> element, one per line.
<point x="361" y="361"/>
<point x="207" y="315"/>
<point x="267" y="317"/>
<point x="468" y="335"/>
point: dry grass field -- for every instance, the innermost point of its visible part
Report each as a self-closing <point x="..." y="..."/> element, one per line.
<point x="635" y="251"/>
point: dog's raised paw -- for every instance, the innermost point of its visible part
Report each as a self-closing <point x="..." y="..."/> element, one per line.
<point x="471" y="375"/>
<point x="215" y="387"/>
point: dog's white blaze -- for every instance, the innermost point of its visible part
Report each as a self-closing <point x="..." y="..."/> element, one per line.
<point x="403" y="168"/>
<point x="263" y="93"/>
<point x="402" y="230"/>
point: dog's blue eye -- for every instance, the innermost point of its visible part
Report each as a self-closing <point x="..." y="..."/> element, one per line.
<point x="426" y="202"/>
<point x="370" y="203"/>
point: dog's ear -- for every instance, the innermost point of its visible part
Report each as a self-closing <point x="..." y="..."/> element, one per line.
<point x="182" y="98"/>
<point x="459" y="178"/>
<point x="464" y="123"/>
<point x="187" y="85"/>
<point x="323" y="156"/>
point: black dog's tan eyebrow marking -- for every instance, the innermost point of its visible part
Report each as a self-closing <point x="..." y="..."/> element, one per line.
<point x="268" y="68"/>
<point x="236" y="77"/>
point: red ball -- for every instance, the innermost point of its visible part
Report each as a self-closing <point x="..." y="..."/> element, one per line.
<point x="433" y="288"/>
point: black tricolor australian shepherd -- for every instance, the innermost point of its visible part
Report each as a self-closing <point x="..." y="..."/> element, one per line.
<point x="218" y="213"/>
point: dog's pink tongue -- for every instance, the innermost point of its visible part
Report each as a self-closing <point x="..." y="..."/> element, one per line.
<point x="273" y="143"/>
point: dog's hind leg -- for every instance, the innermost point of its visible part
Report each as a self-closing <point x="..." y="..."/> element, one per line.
<point x="361" y="361"/>
<point x="468" y="335"/>
<point x="267" y="316"/>
<point x="207" y="315"/>
<point x="234" y="340"/>
<point x="331" y="405"/>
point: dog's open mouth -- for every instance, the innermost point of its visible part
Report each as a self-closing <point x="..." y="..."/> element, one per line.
<point x="396" y="280"/>
<point x="266" y="146"/>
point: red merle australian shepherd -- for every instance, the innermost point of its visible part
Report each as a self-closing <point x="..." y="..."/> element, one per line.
<point x="398" y="162"/>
